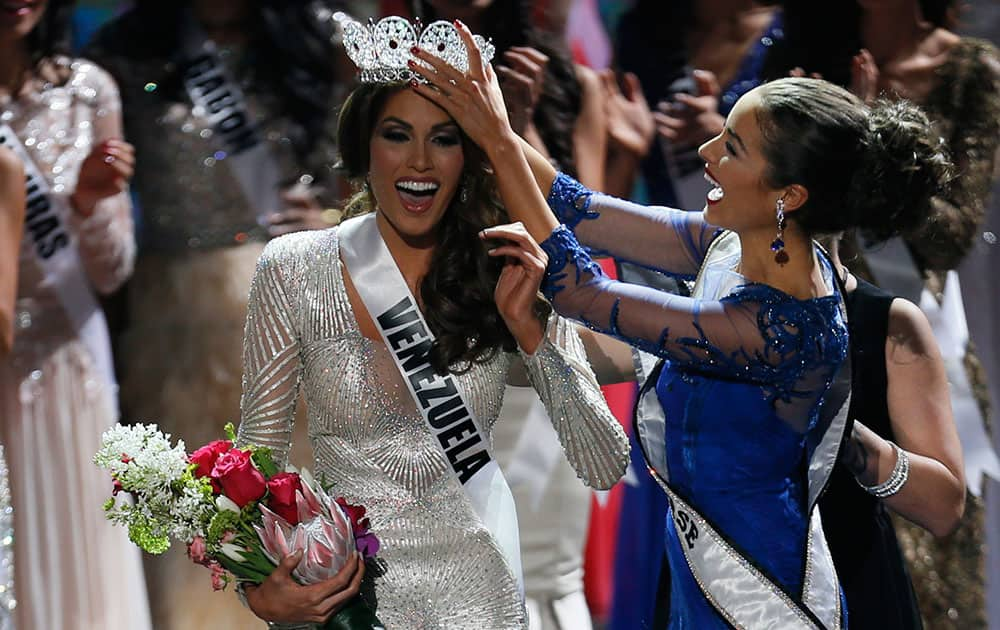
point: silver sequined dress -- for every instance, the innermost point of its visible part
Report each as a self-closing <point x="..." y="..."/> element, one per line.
<point x="73" y="568"/>
<point x="439" y="566"/>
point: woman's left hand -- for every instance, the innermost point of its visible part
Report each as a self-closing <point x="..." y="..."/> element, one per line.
<point x="517" y="289"/>
<point x="104" y="173"/>
<point x="473" y="99"/>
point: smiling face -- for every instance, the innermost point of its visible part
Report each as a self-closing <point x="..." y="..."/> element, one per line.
<point x="19" y="17"/>
<point x="740" y="199"/>
<point x="415" y="168"/>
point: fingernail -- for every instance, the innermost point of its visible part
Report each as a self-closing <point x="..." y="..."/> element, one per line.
<point x="411" y="63"/>
<point x="413" y="83"/>
<point x="414" y="49"/>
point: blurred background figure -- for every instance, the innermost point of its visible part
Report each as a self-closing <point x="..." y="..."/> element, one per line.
<point x="11" y="228"/>
<point x="904" y="49"/>
<point x="230" y="104"/>
<point x="62" y="118"/>
<point x="694" y="59"/>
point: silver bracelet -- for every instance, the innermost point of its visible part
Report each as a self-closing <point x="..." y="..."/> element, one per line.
<point x="900" y="473"/>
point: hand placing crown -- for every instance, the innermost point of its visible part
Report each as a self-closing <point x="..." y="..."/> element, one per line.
<point x="381" y="49"/>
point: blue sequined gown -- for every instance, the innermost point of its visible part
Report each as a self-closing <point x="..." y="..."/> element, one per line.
<point x="741" y="385"/>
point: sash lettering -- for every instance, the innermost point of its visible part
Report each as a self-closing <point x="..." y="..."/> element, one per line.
<point x="41" y="220"/>
<point x="209" y="88"/>
<point x="223" y="106"/>
<point x="58" y="259"/>
<point x="410" y="341"/>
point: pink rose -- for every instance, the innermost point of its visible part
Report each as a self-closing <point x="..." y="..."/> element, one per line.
<point x="206" y="456"/>
<point x="219" y="578"/>
<point x="196" y="550"/>
<point x="282" y="488"/>
<point x="239" y="478"/>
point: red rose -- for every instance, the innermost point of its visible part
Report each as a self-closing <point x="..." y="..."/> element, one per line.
<point x="239" y="478"/>
<point x="206" y="456"/>
<point x="282" y="489"/>
<point x="356" y="514"/>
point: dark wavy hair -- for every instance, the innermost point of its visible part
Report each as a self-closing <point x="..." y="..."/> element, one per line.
<point x="457" y="291"/>
<point x="295" y="55"/>
<point x="559" y="105"/>
<point x="871" y="168"/>
<point x="52" y="37"/>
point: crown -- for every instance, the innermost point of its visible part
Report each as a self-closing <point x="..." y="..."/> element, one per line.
<point x="381" y="49"/>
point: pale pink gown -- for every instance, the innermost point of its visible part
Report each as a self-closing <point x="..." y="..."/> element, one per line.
<point x="73" y="570"/>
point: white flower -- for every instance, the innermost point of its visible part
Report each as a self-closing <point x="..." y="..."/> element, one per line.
<point x="225" y="503"/>
<point x="232" y="552"/>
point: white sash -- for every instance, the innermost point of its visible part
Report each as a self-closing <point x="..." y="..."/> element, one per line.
<point x="440" y="399"/>
<point x="736" y="588"/>
<point x="56" y="254"/>
<point x="895" y="271"/>
<point x="221" y="101"/>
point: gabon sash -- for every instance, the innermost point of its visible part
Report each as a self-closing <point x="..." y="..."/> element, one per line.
<point x="219" y="99"/>
<point x="55" y="251"/>
<point x="739" y="590"/>
<point x="440" y="398"/>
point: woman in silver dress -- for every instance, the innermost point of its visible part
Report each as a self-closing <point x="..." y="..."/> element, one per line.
<point x="445" y="562"/>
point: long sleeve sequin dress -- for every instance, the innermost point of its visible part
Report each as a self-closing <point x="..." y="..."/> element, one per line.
<point x="73" y="569"/>
<point x="439" y="567"/>
<point x="745" y="371"/>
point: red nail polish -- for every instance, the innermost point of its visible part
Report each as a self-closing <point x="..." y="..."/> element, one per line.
<point x="414" y="49"/>
<point x="411" y="63"/>
<point x="413" y="83"/>
<point x="458" y="23"/>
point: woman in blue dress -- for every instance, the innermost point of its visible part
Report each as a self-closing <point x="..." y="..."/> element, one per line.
<point x="751" y="386"/>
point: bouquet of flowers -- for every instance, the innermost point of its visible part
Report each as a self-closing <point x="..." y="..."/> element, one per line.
<point x="236" y="512"/>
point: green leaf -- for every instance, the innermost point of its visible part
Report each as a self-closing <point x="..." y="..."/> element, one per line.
<point x="261" y="456"/>
<point x="222" y="522"/>
<point x="230" y="432"/>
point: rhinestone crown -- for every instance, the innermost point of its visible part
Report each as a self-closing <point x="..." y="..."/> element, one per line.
<point x="381" y="49"/>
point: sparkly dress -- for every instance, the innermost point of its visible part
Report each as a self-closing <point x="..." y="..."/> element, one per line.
<point x="746" y="367"/>
<point x="186" y="304"/>
<point x="439" y="567"/>
<point x="73" y="569"/>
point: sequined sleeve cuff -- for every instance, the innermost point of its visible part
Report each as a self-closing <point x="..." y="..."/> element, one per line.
<point x="594" y="442"/>
<point x="570" y="201"/>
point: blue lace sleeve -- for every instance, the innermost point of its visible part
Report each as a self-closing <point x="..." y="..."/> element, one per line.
<point x="755" y="334"/>
<point x="667" y="240"/>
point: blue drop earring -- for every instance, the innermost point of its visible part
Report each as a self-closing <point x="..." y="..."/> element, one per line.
<point x="778" y="244"/>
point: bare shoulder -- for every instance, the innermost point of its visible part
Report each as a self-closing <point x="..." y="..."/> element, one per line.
<point x="910" y="337"/>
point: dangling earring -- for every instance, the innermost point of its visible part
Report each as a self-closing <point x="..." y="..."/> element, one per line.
<point x="778" y="244"/>
<point x="463" y="193"/>
<point x="366" y="187"/>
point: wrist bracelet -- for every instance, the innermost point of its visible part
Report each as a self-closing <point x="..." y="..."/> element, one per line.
<point x="900" y="473"/>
